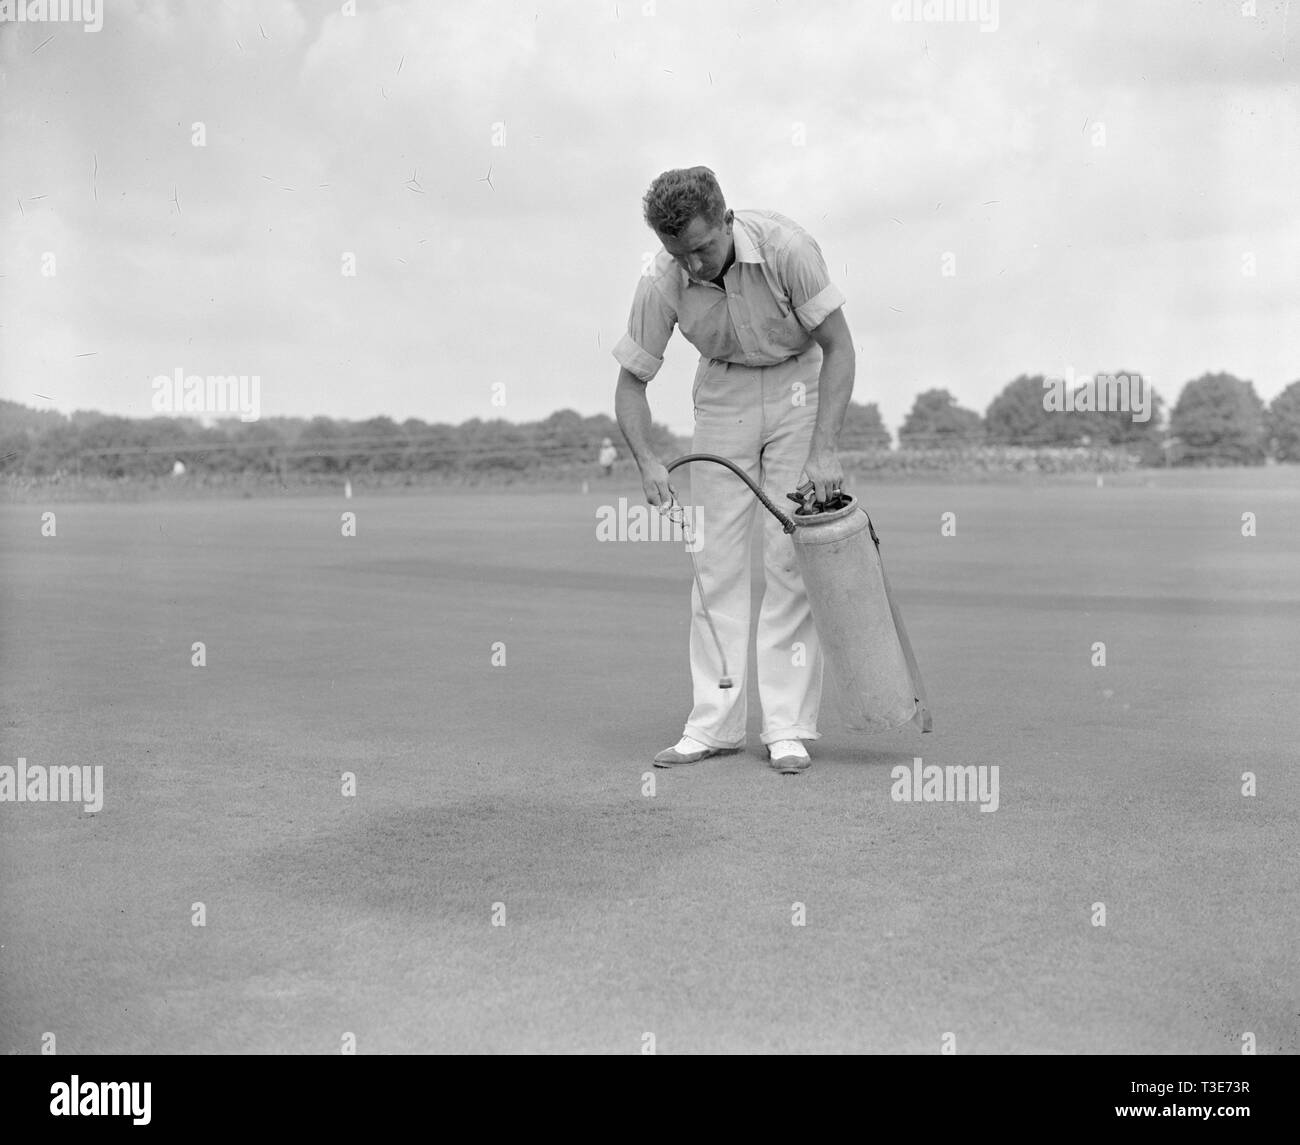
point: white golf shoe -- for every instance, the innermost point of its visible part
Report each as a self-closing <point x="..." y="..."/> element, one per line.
<point x="788" y="756"/>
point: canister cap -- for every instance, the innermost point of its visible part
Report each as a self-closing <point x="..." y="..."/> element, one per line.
<point x="806" y="519"/>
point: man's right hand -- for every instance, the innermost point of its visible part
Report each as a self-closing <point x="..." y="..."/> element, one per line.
<point x="654" y="480"/>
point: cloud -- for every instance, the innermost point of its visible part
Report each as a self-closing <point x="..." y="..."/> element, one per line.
<point x="1097" y="172"/>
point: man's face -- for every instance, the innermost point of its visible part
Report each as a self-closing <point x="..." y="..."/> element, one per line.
<point x="701" y="250"/>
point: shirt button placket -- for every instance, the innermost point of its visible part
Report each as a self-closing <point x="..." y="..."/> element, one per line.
<point x="740" y="316"/>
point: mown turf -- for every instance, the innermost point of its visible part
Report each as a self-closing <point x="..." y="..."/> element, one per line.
<point x="522" y="784"/>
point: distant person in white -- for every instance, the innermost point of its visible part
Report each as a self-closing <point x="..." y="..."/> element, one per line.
<point x="608" y="455"/>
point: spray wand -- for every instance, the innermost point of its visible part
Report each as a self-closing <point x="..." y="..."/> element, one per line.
<point x="724" y="681"/>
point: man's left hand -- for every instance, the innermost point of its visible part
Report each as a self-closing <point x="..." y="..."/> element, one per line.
<point x="824" y="470"/>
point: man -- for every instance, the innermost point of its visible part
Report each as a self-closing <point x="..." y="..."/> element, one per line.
<point x="608" y="455"/>
<point x="750" y="290"/>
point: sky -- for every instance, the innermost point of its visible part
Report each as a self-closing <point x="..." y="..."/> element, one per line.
<point x="998" y="188"/>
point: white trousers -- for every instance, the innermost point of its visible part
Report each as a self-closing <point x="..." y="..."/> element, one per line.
<point x="762" y="419"/>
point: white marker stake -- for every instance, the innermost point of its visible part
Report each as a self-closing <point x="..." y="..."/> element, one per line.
<point x="1099" y="481"/>
<point x="584" y="487"/>
<point x="347" y="490"/>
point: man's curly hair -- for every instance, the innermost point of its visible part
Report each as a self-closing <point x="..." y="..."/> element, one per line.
<point x="678" y="196"/>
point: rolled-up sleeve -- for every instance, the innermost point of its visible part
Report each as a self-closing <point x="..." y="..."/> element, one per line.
<point x="641" y="350"/>
<point x="812" y="293"/>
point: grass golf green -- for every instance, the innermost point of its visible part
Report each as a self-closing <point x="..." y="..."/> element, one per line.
<point x="496" y="680"/>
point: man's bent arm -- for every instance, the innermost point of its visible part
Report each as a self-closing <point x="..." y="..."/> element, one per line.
<point x="633" y="413"/>
<point x="835" y="387"/>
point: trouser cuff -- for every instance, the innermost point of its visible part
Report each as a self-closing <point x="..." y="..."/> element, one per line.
<point x="711" y="740"/>
<point x="790" y="733"/>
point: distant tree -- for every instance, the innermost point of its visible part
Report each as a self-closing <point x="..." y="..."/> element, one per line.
<point x="83" y="417"/>
<point x="322" y="438"/>
<point x="415" y="433"/>
<point x="203" y="449"/>
<point x="937" y="419"/>
<point x="380" y="444"/>
<point x="663" y="441"/>
<point x="433" y="448"/>
<point x="567" y="436"/>
<point x="260" y="445"/>
<point x="129" y="447"/>
<point x="1283" y="424"/>
<point x="1220" y="420"/>
<point x="1118" y="429"/>
<point x="55" y="450"/>
<point x="565" y="426"/>
<point x="1017" y="417"/>
<point x="18" y="418"/>
<point x="563" y="436"/>
<point x="863" y="428"/>
<point x="500" y="444"/>
<point x="234" y="446"/>
<point x="20" y="427"/>
<point x="600" y="426"/>
<point x="15" y="445"/>
<point x="286" y="429"/>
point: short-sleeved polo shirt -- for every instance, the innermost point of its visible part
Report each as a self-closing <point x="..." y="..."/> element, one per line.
<point x="775" y="292"/>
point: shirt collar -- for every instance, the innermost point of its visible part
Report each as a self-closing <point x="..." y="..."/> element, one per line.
<point x="746" y="251"/>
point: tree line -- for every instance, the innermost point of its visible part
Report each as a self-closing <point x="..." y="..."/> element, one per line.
<point x="1218" y="419"/>
<point x="41" y="444"/>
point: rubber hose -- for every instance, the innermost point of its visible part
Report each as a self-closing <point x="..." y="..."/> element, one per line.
<point x="786" y="523"/>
